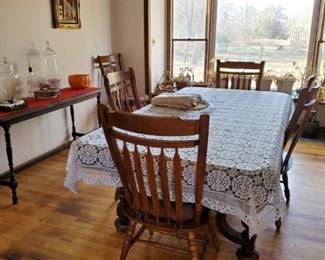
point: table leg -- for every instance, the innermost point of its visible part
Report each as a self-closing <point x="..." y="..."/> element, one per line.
<point x="74" y="134"/>
<point x="278" y="225"/>
<point x="98" y="102"/>
<point x="98" y="98"/>
<point x="13" y="183"/>
<point x="122" y="221"/>
<point x="247" y="245"/>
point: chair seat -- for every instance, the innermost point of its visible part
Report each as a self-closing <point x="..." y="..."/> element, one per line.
<point x="288" y="166"/>
<point x="188" y="219"/>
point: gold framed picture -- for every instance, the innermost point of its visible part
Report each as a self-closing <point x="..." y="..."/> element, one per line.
<point x="66" y="14"/>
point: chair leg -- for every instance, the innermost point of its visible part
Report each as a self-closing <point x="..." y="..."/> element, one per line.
<point x="117" y="194"/>
<point x="213" y="228"/>
<point x="192" y="245"/>
<point x="216" y="242"/>
<point x="286" y="186"/>
<point x="278" y="224"/>
<point x="128" y="239"/>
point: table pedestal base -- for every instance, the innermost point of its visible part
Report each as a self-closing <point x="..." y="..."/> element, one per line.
<point x="247" y="245"/>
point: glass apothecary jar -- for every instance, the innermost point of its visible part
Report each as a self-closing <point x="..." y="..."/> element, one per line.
<point x="50" y="66"/>
<point x="6" y="77"/>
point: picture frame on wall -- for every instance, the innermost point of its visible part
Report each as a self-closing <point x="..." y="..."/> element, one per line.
<point x="66" y="14"/>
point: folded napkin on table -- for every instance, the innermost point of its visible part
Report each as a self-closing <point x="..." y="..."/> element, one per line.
<point x="177" y="101"/>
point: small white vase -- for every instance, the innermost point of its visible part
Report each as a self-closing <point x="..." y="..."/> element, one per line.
<point x="285" y="85"/>
<point x="266" y="84"/>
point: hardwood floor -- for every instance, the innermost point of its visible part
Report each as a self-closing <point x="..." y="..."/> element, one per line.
<point x="51" y="222"/>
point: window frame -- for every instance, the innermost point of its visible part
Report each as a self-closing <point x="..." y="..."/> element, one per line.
<point x="317" y="36"/>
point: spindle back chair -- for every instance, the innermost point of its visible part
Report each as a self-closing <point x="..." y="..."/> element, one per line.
<point x="113" y="63"/>
<point x="304" y="106"/>
<point x="151" y="173"/>
<point x="238" y="74"/>
<point x="109" y="63"/>
<point x="117" y="85"/>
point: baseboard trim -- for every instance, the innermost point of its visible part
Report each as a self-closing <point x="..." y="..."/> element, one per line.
<point x="36" y="159"/>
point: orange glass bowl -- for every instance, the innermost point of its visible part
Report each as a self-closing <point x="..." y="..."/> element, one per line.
<point x="78" y="81"/>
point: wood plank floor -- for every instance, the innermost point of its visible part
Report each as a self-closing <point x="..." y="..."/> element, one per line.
<point x="50" y="222"/>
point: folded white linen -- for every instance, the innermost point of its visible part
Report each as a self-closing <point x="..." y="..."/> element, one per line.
<point x="183" y="102"/>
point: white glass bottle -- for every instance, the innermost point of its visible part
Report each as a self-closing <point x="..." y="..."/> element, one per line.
<point x="32" y="81"/>
<point x="36" y="60"/>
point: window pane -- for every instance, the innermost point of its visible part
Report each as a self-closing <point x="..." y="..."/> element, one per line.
<point x="189" y="19"/>
<point x="275" y="31"/>
<point x="189" y="54"/>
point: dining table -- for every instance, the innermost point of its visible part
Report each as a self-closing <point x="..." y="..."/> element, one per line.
<point x="244" y="158"/>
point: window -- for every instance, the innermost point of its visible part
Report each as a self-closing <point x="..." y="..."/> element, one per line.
<point x="189" y="38"/>
<point x="276" y="31"/>
<point x="249" y="30"/>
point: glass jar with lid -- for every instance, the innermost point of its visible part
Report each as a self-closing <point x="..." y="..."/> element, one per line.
<point x="50" y="65"/>
<point x="6" y="77"/>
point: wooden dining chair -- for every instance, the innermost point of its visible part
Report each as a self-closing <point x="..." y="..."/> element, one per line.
<point x="113" y="63"/>
<point x="109" y="63"/>
<point x="153" y="194"/>
<point x="304" y="106"/>
<point x="118" y="85"/>
<point x="239" y="74"/>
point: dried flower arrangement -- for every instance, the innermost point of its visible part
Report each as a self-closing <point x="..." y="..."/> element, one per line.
<point x="184" y="77"/>
<point x="166" y="83"/>
<point x="287" y="76"/>
<point x="211" y="77"/>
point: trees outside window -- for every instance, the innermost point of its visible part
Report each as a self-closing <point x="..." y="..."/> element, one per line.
<point x="248" y="30"/>
<point x="275" y="31"/>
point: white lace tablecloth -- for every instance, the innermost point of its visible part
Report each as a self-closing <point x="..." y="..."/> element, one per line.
<point x="243" y="161"/>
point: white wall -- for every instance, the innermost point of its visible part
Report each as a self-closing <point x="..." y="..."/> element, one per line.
<point x="128" y="36"/>
<point x="157" y="41"/>
<point x="23" y="22"/>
